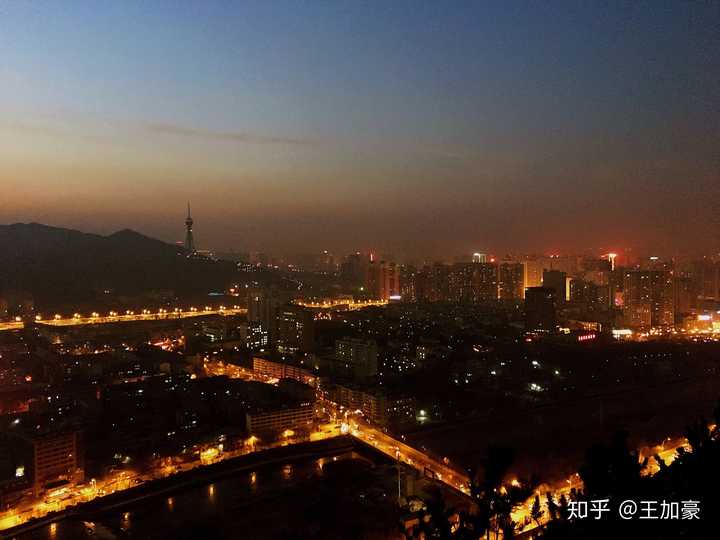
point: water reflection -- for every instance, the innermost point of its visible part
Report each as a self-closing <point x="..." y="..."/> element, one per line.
<point x="217" y="502"/>
<point x="253" y="481"/>
<point x="125" y="523"/>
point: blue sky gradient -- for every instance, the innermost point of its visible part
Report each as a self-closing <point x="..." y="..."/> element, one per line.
<point x="366" y="124"/>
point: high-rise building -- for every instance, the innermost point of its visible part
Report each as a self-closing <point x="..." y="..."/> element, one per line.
<point x="485" y="281"/>
<point x="295" y="327"/>
<point x="383" y="280"/>
<point x="568" y="264"/>
<point x="56" y="457"/>
<point x="586" y="294"/>
<point x="648" y="298"/>
<point x="189" y="240"/>
<point x="706" y="278"/>
<point x="540" y="309"/>
<point x="355" y="268"/>
<point x="471" y="283"/>
<point x="511" y="281"/>
<point x="359" y="355"/>
<point x="408" y="280"/>
<point x="683" y="300"/>
<point x="534" y="267"/>
<point x="462" y="283"/>
<point x="263" y="304"/>
<point x="432" y="283"/>
<point x="559" y="282"/>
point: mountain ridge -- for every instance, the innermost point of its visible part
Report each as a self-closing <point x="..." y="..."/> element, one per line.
<point x="58" y="266"/>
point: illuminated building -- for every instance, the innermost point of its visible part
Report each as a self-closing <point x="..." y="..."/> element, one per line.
<point x="585" y="293"/>
<point x="485" y="282"/>
<point x="360" y="355"/>
<point x="189" y="240"/>
<point x="648" y="298"/>
<point x="616" y="295"/>
<point x="295" y="328"/>
<point x="408" y="280"/>
<point x="511" y="281"/>
<point x="257" y="336"/>
<point x="55" y="458"/>
<point x="534" y="270"/>
<point x="263" y="305"/>
<point x="270" y="422"/>
<point x="479" y="258"/>
<point x="655" y="263"/>
<point x="462" y="283"/>
<point x="281" y="370"/>
<point x="383" y="280"/>
<point x="540" y="309"/>
<point x="432" y="283"/>
<point x="471" y="283"/>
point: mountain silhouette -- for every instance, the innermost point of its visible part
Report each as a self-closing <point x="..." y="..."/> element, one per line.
<point x="57" y="267"/>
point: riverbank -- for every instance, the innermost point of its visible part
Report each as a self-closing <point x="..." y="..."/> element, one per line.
<point x="200" y="476"/>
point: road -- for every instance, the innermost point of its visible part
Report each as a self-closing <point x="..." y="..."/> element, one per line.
<point x="66" y="497"/>
<point x="78" y="319"/>
<point x="355" y="424"/>
<point x="348" y="304"/>
<point x="335" y="421"/>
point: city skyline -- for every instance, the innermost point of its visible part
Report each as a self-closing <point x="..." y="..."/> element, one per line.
<point x="539" y="129"/>
<point x="381" y="270"/>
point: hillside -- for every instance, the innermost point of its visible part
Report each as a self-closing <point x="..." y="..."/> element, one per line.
<point x="66" y="267"/>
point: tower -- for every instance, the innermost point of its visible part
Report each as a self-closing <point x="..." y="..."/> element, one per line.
<point x="189" y="242"/>
<point x="611" y="258"/>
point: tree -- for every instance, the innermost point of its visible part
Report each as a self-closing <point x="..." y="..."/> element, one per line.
<point x="438" y="513"/>
<point x="536" y="512"/>
<point x="494" y="500"/>
<point x="552" y="506"/>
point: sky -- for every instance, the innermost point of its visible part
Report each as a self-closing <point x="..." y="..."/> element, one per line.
<point x="418" y="128"/>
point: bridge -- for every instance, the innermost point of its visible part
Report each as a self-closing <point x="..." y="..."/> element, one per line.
<point x="113" y="317"/>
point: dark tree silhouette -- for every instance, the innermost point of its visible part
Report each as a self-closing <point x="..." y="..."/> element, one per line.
<point x="536" y="512"/>
<point x="495" y="501"/>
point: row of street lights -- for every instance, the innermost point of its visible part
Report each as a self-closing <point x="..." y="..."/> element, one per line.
<point x="131" y="313"/>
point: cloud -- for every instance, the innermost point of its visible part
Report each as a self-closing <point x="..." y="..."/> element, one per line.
<point x="231" y="136"/>
<point x="50" y="131"/>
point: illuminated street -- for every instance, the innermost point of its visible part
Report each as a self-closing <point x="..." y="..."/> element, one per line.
<point x="78" y="319"/>
<point x="67" y="497"/>
<point x="337" y="422"/>
<point x="339" y="303"/>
